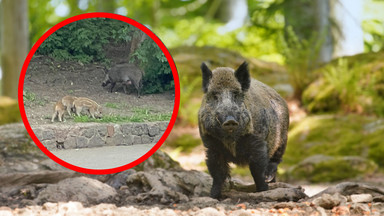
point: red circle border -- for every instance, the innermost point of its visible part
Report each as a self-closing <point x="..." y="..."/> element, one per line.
<point x="146" y="31"/>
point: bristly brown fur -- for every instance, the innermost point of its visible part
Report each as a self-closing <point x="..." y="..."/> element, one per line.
<point x="261" y="122"/>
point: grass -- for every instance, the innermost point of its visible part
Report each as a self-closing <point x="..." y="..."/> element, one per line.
<point x="29" y="96"/>
<point x="113" y="105"/>
<point x="140" y="115"/>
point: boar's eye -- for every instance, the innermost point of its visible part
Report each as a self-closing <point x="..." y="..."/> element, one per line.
<point x="214" y="96"/>
<point x="237" y="95"/>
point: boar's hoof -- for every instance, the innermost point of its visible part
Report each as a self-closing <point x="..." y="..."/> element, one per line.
<point x="230" y="124"/>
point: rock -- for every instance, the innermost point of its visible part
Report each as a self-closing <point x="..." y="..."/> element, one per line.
<point x="272" y="195"/>
<point x="159" y="159"/>
<point x="341" y="210"/>
<point x="321" y="211"/>
<point x="153" y="130"/>
<point x="96" y="141"/>
<point x="329" y="201"/>
<point x="166" y="186"/>
<point x="13" y="179"/>
<point x="203" y="201"/>
<point x="85" y="190"/>
<point x="88" y="133"/>
<point x="70" y="208"/>
<point x="349" y="188"/>
<point x="6" y="211"/>
<point x="323" y="168"/>
<point x="360" y="209"/>
<point x="361" y="198"/>
<point x="378" y="199"/>
<point x="81" y="142"/>
<point x="378" y="208"/>
<point x="119" y="179"/>
<point x="209" y="212"/>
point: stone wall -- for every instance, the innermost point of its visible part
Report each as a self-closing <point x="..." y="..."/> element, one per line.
<point x="88" y="135"/>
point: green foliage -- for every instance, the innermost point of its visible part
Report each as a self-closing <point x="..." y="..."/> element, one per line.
<point x="188" y="105"/>
<point x="250" y="41"/>
<point x="28" y="95"/>
<point x="140" y="115"/>
<point x="350" y="135"/>
<point x="350" y="84"/>
<point x="300" y="57"/>
<point x="185" y="143"/>
<point x="158" y="74"/>
<point x="345" y="82"/>
<point x="84" y="40"/>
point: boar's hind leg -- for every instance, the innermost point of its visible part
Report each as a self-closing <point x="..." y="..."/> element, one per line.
<point x="219" y="170"/>
<point x="270" y="174"/>
<point x="53" y="116"/>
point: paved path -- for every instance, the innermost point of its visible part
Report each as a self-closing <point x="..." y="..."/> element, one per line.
<point x="103" y="157"/>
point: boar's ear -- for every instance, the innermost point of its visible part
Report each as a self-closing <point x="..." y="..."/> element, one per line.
<point x="242" y="75"/>
<point x="207" y="75"/>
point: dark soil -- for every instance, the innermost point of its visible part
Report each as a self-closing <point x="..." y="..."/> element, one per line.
<point x="47" y="81"/>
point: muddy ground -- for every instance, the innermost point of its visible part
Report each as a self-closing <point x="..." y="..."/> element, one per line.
<point x="47" y="81"/>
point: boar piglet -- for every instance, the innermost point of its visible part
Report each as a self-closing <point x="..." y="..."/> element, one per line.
<point x="243" y="121"/>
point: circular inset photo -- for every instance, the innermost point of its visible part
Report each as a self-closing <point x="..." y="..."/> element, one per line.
<point x="99" y="93"/>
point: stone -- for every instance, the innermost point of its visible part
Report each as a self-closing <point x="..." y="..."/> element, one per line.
<point x="102" y="130"/>
<point x="70" y="143"/>
<point x="157" y="138"/>
<point x="49" y="144"/>
<point x="47" y="135"/>
<point x="81" y="142"/>
<point x="126" y="128"/>
<point x="145" y="139"/>
<point x="136" y="140"/>
<point x="140" y="129"/>
<point x="88" y="133"/>
<point x="153" y="130"/>
<point x="361" y="198"/>
<point x="163" y="126"/>
<point x="328" y="201"/>
<point x="96" y="141"/>
<point x="323" y="168"/>
<point x="92" y="191"/>
<point x="25" y="178"/>
<point x="360" y="209"/>
<point x="209" y="211"/>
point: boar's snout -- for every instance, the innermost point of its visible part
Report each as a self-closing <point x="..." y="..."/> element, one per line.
<point x="230" y="124"/>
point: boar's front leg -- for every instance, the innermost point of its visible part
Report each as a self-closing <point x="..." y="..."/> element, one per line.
<point x="258" y="160"/>
<point x="112" y="86"/>
<point x="219" y="170"/>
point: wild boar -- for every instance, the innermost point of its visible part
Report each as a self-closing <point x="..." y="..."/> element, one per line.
<point x="243" y="121"/>
<point x="82" y="103"/>
<point x="126" y="74"/>
<point x="67" y="101"/>
<point x="58" y="111"/>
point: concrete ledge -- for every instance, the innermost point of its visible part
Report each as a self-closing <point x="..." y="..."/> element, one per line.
<point x="88" y="135"/>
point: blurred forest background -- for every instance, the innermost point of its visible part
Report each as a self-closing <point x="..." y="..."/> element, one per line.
<point x="324" y="56"/>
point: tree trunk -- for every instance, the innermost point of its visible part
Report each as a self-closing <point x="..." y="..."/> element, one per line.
<point x="347" y="32"/>
<point x="14" y="43"/>
<point x="323" y="26"/>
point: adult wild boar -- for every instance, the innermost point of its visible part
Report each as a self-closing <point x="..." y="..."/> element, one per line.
<point x="126" y="74"/>
<point x="243" y="121"/>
